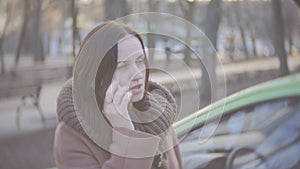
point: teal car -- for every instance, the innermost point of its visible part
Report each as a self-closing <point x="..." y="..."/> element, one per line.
<point x="258" y="127"/>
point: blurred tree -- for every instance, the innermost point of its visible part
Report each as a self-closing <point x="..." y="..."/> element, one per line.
<point x="253" y="40"/>
<point x="115" y="9"/>
<point x="58" y="24"/>
<point x="38" y="51"/>
<point x="258" y="22"/>
<point x="150" y="26"/>
<point x="208" y="81"/>
<point x="291" y="22"/>
<point x="7" y="20"/>
<point x="249" y="23"/>
<point x="26" y="13"/>
<point x="74" y="27"/>
<point x="238" y="12"/>
<point x="263" y="27"/>
<point x="229" y="45"/>
<point x="278" y="36"/>
<point x="189" y="11"/>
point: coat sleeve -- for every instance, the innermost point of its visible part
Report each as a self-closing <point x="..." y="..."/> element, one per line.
<point x="132" y="149"/>
<point x="72" y="150"/>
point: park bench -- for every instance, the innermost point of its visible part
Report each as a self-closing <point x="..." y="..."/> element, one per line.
<point x="29" y="93"/>
<point x="26" y="84"/>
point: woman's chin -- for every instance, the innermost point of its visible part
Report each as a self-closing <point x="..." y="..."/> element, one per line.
<point x="137" y="97"/>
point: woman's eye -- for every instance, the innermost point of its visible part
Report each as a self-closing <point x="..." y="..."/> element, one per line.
<point x="121" y="66"/>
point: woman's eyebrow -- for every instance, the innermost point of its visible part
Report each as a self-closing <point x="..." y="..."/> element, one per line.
<point x="125" y="61"/>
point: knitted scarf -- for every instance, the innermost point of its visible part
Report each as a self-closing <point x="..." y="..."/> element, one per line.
<point x="158" y="107"/>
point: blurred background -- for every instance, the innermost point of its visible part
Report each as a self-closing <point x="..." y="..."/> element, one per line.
<point x="253" y="41"/>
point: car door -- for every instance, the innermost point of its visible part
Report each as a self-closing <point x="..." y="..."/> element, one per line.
<point x="260" y="135"/>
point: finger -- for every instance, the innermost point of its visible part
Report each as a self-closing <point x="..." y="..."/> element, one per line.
<point x="124" y="106"/>
<point x="114" y="85"/>
<point x="109" y="109"/>
<point x="126" y="100"/>
<point x="111" y="91"/>
<point x="120" y="93"/>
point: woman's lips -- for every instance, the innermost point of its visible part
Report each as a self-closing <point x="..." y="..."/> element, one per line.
<point x="136" y="89"/>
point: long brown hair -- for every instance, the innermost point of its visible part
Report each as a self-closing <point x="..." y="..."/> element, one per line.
<point x="108" y="64"/>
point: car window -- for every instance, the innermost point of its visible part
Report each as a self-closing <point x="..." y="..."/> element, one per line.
<point x="271" y="130"/>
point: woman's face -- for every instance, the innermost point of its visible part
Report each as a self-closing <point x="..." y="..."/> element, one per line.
<point x="130" y="71"/>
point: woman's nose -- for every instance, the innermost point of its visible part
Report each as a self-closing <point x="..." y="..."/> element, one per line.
<point x="136" y="73"/>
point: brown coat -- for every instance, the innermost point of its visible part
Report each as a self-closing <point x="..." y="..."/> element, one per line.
<point x="73" y="150"/>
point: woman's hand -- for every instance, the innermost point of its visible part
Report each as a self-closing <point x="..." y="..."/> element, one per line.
<point x="115" y="105"/>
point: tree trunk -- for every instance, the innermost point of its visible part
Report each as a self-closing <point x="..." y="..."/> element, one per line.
<point x="23" y="31"/>
<point x="2" y="58"/>
<point x="115" y="9"/>
<point x="78" y="34"/>
<point x="190" y="17"/>
<point x="74" y="28"/>
<point x="187" y="50"/>
<point x="278" y="37"/>
<point x="230" y="41"/>
<point x="48" y="45"/>
<point x="290" y="40"/>
<point x="150" y="44"/>
<point x="38" y="52"/>
<point x="150" y="37"/>
<point x="208" y="81"/>
<point x="2" y="38"/>
<point x="242" y="31"/>
<point x="254" y="51"/>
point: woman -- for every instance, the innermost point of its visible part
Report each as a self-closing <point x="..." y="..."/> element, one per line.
<point x="110" y="115"/>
